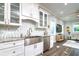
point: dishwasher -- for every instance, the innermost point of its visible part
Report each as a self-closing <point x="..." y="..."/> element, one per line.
<point x="46" y="43"/>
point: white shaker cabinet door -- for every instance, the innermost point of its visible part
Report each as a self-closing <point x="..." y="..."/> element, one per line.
<point x="26" y="9"/>
<point x="38" y="48"/>
<point x="35" y="11"/>
<point x="18" y="50"/>
<point x="29" y="50"/>
<point x="33" y="50"/>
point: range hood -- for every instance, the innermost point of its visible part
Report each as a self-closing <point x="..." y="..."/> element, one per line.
<point x="29" y="18"/>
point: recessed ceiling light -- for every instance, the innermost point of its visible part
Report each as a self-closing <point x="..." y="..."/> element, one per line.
<point x="61" y="12"/>
<point x="65" y="4"/>
<point x="78" y="15"/>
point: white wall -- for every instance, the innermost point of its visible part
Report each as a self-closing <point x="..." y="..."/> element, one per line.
<point x="52" y="30"/>
<point x="53" y="22"/>
<point x="70" y="25"/>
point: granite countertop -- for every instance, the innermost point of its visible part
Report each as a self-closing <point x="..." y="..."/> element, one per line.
<point x="3" y="40"/>
<point x="36" y="36"/>
<point x="46" y="36"/>
<point x="32" y="36"/>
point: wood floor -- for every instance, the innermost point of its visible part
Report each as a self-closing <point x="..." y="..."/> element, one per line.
<point x="58" y="50"/>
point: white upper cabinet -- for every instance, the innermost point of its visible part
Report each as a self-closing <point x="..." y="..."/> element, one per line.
<point x="14" y="12"/>
<point x="43" y="18"/>
<point x="30" y="11"/>
<point x="10" y="13"/>
<point x="2" y="13"/>
<point x="14" y="17"/>
<point x="35" y="11"/>
<point x="27" y="9"/>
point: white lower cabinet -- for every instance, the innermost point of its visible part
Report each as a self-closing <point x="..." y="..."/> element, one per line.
<point x="29" y="50"/>
<point x="7" y="52"/>
<point x="18" y="50"/>
<point x="34" y="49"/>
<point x="22" y="54"/>
<point x="38" y="49"/>
<point x="13" y="51"/>
<point x="14" y="48"/>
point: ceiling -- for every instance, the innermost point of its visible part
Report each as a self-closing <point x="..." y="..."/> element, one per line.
<point x="65" y="12"/>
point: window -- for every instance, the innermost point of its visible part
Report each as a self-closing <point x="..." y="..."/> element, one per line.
<point x="76" y="27"/>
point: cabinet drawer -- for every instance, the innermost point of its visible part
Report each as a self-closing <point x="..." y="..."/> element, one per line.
<point x="11" y="44"/>
<point x="6" y="45"/>
<point x="7" y="52"/>
<point x="22" y="54"/>
<point x="18" y="50"/>
<point x="29" y="50"/>
<point x="20" y="42"/>
<point x="13" y="51"/>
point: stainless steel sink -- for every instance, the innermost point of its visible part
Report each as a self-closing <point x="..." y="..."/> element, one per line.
<point x="32" y="40"/>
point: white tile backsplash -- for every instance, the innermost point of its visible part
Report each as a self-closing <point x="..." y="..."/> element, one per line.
<point x="37" y="33"/>
<point x="6" y="32"/>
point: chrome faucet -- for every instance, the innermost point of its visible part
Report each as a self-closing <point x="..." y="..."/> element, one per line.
<point x="29" y="31"/>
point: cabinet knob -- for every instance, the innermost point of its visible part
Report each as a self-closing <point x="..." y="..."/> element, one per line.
<point x="35" y="46"/>
<point x="13" y="43"/>
<point x="13" y="51"/>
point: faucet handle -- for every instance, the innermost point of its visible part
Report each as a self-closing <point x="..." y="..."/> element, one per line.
<point x="21" y="35"/>
<point x="30" y="29"/>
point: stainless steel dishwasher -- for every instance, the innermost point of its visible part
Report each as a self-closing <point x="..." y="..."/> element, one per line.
<point x="46" y="40"/>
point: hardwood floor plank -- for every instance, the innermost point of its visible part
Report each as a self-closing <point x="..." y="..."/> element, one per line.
<point x="60" y="51"/>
